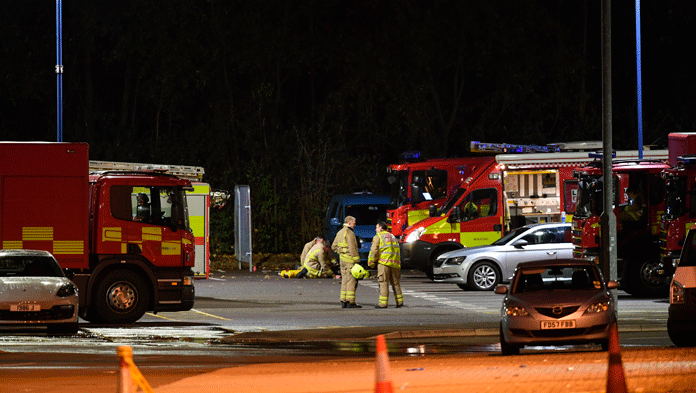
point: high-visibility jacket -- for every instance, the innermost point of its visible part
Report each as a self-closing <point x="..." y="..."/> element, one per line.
<point x="306" y="249"/>
<point x="316" y="261"/>
<point x="385" y="251"/>
<point x="346" y="245"/>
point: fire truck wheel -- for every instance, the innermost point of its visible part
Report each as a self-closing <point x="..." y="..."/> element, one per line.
<point x="122" y="297"/>
<point x="645" y="279"/>
<point x="483" y="276"/>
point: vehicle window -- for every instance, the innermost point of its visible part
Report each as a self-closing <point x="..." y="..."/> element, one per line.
<point x="433" y="183"/>
<point x="151" y="205"/>
<point x="367" y="214"/>
<point x="564" y="234"/>
<point x="541" y="236"/>
<point x="511" y="235"/>
<point x="480" y="203"/>
<point x="29" y="266"/>
<point x="557" y="278"/>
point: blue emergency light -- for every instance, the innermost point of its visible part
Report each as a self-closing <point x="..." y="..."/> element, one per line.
<point x="599" y="155"/>
<point x="410" y="155"/>
<point x="687" y="160"/>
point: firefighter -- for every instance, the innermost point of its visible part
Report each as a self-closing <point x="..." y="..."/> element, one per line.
<point x="385" y="254"/>
<point x="309" y="246"/>
<point x="317" y="263"/>
<point x="346" y="246"/>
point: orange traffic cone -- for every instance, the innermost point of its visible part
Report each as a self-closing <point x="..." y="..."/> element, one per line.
<point x="383" y="383"/>
<point x="616" y="381"/>
<point x="125" y="380"/>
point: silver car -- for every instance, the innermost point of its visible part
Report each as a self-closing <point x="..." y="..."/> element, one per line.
<point x="482" y="268"/>
<point x="561" y="302"/>
<point x="35" y="292"/>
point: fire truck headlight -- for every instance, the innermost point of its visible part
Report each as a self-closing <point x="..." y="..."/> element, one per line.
<point x="415" y="235"/>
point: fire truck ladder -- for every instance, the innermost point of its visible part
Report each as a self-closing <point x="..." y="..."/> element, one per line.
<point x="194" y="173"/>
<point x="481" y="147"/>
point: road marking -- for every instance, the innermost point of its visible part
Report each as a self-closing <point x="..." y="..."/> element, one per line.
<point x="447" y="302"/>
<point x="210" y="315"/>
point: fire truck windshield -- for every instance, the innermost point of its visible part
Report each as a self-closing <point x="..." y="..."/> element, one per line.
<point x="676" y="197"/>
<point x="398" y="181"/>
<point x="589" y="192"/>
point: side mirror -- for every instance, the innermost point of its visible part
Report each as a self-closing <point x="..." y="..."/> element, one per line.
<point x="455" y="215"/>
<point x="416" y="196"/>
<point x="613" y="285"/>
<point x="334" y="221"/>
<point x="501" y="289"/>
<point x="69" y="273"/>
<point x="432" y="210"/>
<point x="520" y="243"/>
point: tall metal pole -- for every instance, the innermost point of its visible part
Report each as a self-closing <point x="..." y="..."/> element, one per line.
<point x="608" y="218"/>
<point x="59" y="67"/>
<point x="639" y="83"/>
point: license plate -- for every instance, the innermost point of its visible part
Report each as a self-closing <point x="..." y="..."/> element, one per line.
<point x="25" y="307"/>
<point x="569" y="324"/>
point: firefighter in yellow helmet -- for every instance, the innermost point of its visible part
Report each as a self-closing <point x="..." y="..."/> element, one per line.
<point x="346" y="246"/>
<point x="385" y="254"/>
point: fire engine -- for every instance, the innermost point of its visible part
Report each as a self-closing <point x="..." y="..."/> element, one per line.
<point x="123" y="236"/>
<point x="504" y="192"/>
<point x="418" y="184"/>
<point x="680" y="197"/>
<point x="639" y="194"/>
<point x="199" y="201"/>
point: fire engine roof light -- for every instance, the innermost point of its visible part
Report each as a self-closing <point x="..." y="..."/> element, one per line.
<point x="599" y="155"/>
<point x="689" y="160"/>
<point x="411" y="155"/>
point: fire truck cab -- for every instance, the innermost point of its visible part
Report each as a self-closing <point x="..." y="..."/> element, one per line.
<point x="639" y="202"/>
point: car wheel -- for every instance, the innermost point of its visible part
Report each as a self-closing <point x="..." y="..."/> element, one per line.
<point x="122" y="297"/>
<point x="65" y="328"/>
<point x="483" y="276"/>
<point x="506" y="348"/>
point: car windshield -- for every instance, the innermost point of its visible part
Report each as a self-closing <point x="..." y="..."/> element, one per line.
<point x="29" y="266"/>
<point x="505" y="239"/>
<point x="557" y="278"/>
<point x="367" y="214"/>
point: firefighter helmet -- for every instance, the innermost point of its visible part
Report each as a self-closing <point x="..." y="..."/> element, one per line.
<point x="359" y="272"/>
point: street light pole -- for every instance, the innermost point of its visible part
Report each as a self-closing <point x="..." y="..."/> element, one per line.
<point x="59" y="67"/>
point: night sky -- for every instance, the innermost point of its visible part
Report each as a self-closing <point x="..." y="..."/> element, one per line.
<point x="305" y="99"/>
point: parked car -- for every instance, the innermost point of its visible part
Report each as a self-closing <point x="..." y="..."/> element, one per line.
<point x="367" y="208"/>
<point x="483" y="267"/>
<point x="681" y="319"/>
<point x="34" y="291"/>
<point x="558" y="302"/>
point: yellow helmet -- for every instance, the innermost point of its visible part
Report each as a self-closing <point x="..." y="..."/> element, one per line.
<point x="359" y="272"/>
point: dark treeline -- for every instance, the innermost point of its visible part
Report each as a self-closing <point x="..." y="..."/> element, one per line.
<point x="305" y="99"/>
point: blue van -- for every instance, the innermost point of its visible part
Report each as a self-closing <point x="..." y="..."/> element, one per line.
<point x="367" y="208"/>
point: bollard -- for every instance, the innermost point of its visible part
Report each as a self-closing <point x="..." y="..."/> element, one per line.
<point x="125" y="380"/>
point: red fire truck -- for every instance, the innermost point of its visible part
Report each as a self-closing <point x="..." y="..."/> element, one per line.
<point x="640" y="270"/>
<point x="680" y="197"/>
<point x="123" y="236"/>
<point x="418" y="184"/>
<point x="506" y="191"/>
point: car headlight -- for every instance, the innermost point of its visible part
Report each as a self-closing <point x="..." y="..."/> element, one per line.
<point x="455" y="261"/>
<point x="597" y="307"/>
<point x="676" y="293"/>
<point x="415" y="235"/>
<point x="516" y="311"/>
<point x="66" y="290"/>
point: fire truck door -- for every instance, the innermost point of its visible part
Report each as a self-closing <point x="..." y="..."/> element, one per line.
<point x="481" y="218"/>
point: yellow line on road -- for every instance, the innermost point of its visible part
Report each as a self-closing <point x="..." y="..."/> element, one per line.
<point x="210" y="315"/>
<point x="159" y="316"/>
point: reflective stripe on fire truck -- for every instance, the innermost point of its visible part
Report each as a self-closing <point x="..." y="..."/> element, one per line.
<point x="443" y="231"/>
<point x="149" y="234"/>
<point x="45" y="234"/>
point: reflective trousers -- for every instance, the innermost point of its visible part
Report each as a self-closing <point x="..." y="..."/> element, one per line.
<point x="348" y="283"/>
<point x="385" y="276"/>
